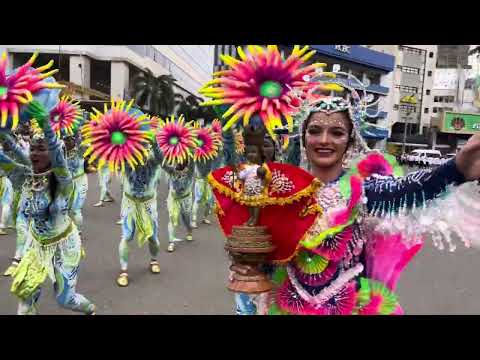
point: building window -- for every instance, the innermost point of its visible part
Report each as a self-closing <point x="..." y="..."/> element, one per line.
<point x="469" y="83"/>
<point x="425" y="111"/>
<point x="358" y="74"/>
<point x="409" y="69"/>
<point x="100" y="76"/>
<point x="405" y="108"/>
<point x="375" y="79"/>
<point x="430" y="55"/>
<point x="411" y="50"/>
<point x="427" y="92"/>
<point x="409" y="89"/>
<point x="429" y="73"/>
<point x="434" y="110"/>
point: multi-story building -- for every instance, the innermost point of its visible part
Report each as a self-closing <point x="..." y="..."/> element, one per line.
<point x="371" y="67"/>
<point x="412" y="93"/>
<point x="455" y="97"/>
<point x="105" y="71"/>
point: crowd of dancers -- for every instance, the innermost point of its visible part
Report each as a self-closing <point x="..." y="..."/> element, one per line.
<point x="343" y="231"/>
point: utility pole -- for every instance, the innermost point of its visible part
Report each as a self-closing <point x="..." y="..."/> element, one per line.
<point x="408" y="101"/>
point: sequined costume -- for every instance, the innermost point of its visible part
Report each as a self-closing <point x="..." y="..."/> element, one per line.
<point x="343" y="266"/>
<point x="53" y="247"/>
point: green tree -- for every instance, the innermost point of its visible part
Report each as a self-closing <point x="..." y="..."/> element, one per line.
<point x="154" y="94"/>
<point x="475" y="50"/>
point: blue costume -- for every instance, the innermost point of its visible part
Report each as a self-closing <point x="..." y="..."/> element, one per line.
<point x="53" y="247"/>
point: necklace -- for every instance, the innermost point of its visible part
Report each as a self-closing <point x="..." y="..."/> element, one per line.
<point x="42" y="174"/>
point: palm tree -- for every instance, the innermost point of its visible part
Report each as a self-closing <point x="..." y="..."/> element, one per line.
<point x="475" y="50"/>
<point x="167" y="95"/>
<point x="154" y="94"/>
<point x="190" y="108"/>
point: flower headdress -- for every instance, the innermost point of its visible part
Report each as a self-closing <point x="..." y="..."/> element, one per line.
<point x="66" y="117"/>
<point x="207" y="144"/>
<point x="118" y="135"/>
<point x="176" y="140"/>
<point x="260" y="83"/>
<point x="18" y="87"/>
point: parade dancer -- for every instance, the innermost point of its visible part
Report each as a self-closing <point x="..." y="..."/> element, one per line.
<point x="18" y="217"/>
<point x="121" y="138"/>
<point x="54" y="245"/>
<point x="21" y="138"/>
<point x="343" y="253"/>
<point x="66" y="118"/>
<point x="75" y="163"/>
<point x="104" y="181"/>
<point x="6" y="199"/>
<point x="176" y="141"/>
<point x="206" y="157"/>
<point x="180" y="200"/>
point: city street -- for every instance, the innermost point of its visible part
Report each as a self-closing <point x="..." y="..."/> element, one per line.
<point x="193" y="278"/>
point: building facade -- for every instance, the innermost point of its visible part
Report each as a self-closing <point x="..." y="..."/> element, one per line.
<point x="105" y="71"/>
<point x="411" y="94"/>
<point x="456" y="102"/>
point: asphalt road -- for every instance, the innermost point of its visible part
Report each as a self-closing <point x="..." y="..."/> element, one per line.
<point x="193" y="278"/>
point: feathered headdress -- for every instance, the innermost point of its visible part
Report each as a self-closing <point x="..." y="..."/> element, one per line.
<point x="118" y="135"/>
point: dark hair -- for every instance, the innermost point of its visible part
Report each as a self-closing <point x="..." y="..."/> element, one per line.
<point x="274" y="145"/>
<point x="307" y="121"/>
<point x="52" y="185"/>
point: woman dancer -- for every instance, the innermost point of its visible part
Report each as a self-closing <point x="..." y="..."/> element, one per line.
<point x="54" y="245"/>
<point x="343" y="254"/>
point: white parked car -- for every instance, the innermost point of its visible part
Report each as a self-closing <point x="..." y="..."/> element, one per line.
<point x="426" y="157"/>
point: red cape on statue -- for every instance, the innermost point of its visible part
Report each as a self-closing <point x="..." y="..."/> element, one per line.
<point x="289" y="208"/>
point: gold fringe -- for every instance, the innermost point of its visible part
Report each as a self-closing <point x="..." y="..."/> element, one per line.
<point x="264" y="199"/>
<point x="311" y="210"/>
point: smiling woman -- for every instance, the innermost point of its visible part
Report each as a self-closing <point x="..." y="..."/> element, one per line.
<point x="326" y="138"/>
<point x="360" y="229"/>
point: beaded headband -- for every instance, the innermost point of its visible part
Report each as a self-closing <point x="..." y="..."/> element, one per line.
<point x="355" y="105"/>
